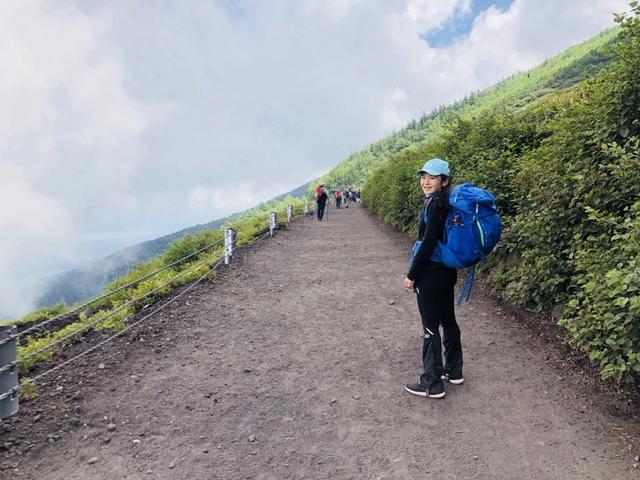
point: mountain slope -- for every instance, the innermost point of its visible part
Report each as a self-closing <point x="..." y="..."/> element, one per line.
<point x="565" y="69"/>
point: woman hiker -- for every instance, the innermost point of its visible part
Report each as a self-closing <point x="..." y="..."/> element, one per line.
<point x="433" y="283"/>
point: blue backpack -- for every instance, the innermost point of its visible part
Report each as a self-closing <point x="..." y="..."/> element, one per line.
<point x="472" y="230"/>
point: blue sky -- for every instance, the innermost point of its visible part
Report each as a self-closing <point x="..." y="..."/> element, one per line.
<point x="123" y="121"/>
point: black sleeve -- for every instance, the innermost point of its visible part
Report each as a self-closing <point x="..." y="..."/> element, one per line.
<point x="433" y="233"/>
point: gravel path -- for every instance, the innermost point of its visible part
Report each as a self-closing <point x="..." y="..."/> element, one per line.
<point x="292" y="366"/>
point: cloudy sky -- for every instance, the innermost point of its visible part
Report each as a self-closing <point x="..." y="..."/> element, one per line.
<point x="125" y="120"/>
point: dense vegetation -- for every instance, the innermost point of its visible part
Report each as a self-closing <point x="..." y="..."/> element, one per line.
<point x="565" y="169"/>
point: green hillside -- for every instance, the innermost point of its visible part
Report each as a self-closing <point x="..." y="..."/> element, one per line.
<point x="566" y="69"/>
<point x="563" y="160"/>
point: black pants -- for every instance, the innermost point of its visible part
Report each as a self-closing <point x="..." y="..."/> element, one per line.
<point x="435" y="302"/>
<point x="320" y="210"/>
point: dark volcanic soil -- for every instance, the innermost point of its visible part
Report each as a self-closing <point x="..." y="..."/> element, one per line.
<point x="292" y="365"/>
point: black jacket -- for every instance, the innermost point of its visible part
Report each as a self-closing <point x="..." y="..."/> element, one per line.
<point x="322" y="198"/>
<point x="429" y="233"/>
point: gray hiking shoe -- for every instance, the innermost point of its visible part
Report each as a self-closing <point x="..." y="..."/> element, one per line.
<point x="436" y="390"/>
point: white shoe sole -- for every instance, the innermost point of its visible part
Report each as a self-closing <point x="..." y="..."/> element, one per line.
<point x="415" y="392"/>
<point x="458" y="381"/>
<point x="424" y="394"/>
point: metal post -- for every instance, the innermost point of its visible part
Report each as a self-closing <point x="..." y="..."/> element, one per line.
<point x="8" y="371"/>
<point x="229" y="244"/>
<point x="273" y="223"/>
<point x="289" y="213"/>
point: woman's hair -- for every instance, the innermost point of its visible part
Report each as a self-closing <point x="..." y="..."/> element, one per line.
<point x="443" y="198"/>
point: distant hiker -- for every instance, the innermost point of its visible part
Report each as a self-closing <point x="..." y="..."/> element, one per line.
<point x="358" y="196"/>
<point x="321" y="201"/>
<point x="433" y="282"/>
<point x="338" y="198"/>
<point x="346" y="199"/>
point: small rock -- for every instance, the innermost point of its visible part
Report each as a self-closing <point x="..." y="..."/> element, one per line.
<point x="252" y="438"/>
<point x="247" y="370"/>
<point x="111" y="427"/>
<point x="136" y="441"/>
<point x="149" y="472"/>
<point x="332" y="401"/>
<point x="356" y="397"/>
<point x="636" y="458"/>
<point x="93" y="460"/>
<point x="392" y="302"/>
<point x="172" y="465"/>
<point x="101" y="366"/>
<point x="205" y="450"/>
<point x="475" y="457"/>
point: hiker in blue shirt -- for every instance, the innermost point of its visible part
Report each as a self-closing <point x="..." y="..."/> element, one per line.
<point x="433" y="283"/>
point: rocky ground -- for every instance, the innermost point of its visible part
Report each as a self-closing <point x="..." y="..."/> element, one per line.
<point x="291" y="365"/>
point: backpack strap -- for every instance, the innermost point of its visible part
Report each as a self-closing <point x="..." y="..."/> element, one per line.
<point x="467" y="285"/>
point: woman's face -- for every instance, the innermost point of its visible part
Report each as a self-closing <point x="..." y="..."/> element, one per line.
<point x="431" y="184"/>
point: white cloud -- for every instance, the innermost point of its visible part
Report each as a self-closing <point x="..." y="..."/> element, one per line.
<point x="394" y="112"/>
<point x="232" y="198"/>
<point x="430" y="15"/>
<point x="32" y="226"/>
<point x="70" y="134"/>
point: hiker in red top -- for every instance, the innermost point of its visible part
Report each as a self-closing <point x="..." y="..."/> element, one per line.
<point x="338" y="198"/>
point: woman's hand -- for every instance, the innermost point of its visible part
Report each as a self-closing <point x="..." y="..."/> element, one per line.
<point x="408" y="284"/>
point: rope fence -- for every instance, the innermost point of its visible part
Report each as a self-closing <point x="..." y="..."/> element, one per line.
<point x="9" y="338"/>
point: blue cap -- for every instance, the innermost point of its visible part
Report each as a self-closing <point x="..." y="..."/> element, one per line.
<point x="435" y="166"/>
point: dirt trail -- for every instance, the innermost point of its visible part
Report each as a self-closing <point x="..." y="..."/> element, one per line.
<point x="292" y="366"/>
